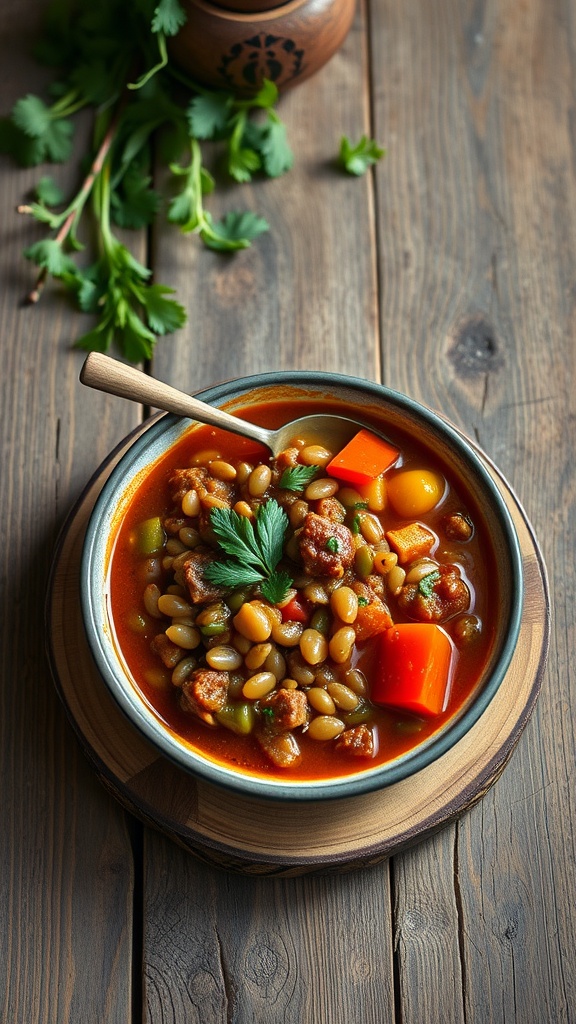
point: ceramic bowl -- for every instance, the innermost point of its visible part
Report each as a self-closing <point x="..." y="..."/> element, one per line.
<point x="365" y="401"/>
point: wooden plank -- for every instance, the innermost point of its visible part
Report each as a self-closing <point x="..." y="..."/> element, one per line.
<point x="221" y="946"/>
<point x="65" y="847"/>
<point x="477" y="233"/>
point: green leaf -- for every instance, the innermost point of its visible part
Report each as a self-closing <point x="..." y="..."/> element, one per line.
<point x="427" y="583"/>
<point x="356" y="159"/>
<point x="32" y="116"/>
<point x="97" y="340"/>
<point x="58" y="141"/>
<point x="48" y="192"/>
<point x="208" y="114"/>
<point x="26" y="151"/>
<point x="49" y="253"/>
<point x="296" y="478"/>
<point x="230" y="575"/>
<point x="169" y="17"/>
<point x="277" y="155"/>
<point x="241" y="226"/>
<point x="271" y="525"/>
<point x="163" y="315"/>
<point x="276" y="587"/>
<point x="266" y="96"/>
<point x="136" y="205"/>
<point x="242" y="163"/>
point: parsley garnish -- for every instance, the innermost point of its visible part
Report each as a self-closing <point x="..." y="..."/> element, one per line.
<point x="113" y="58"/>
<point x="356" y="159"/>
<point x="427" y="583"/>
<point x="333" y="545"/>
<point x="362" y="602"/>
<point x="254" y="550"/>
<point x="296" y="478"/>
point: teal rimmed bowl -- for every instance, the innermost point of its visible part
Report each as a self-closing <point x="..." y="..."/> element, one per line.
<point x="365" y="401"/>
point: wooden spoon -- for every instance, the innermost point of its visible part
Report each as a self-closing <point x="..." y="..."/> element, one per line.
<point x="116" y="378"/>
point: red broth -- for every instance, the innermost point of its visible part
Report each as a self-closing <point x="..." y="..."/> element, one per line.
<point x="393" y="732"/>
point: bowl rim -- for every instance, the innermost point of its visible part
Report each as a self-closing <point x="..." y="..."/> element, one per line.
<point x="163" y="432"/>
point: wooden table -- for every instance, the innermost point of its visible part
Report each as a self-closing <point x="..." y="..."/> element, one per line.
<point x="448" y="273"/>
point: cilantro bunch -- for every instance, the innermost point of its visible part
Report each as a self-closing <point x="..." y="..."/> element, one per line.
<point x="112" y="57"/>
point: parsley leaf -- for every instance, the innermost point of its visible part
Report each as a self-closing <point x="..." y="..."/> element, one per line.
<point x="169" y="16"/>
<point x="48" y="192"/>
<point x="208" y="114"/>
<point x="427" y="583"/>
<point x="356" y="159"/>
<point x="296" y="478"/>
<point x="333" y="545"/>
<point x="254" y="549"/>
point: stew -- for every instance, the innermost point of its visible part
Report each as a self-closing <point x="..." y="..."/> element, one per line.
<point x="313" y="614"/>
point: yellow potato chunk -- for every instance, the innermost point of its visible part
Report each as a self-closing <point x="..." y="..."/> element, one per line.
<point x="414" y="492"/>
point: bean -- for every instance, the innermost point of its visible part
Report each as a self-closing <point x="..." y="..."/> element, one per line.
<point x="395" y="579"/>
<point x="325" y="727"/>
<point x="253" y="623"/>
<point x="191" y="504"/>
<point x="356" y="681"/>
<point x="170" y="604"/>
<point x="363" y="561"/>
<point x="341" y="644"/>
<point x="297" y="513"/>
<point x="259" y="685"/>
<point x="315" y="455"/>
<point x="423" y="567"/>
<point x="322" y="488"/>
<point x="350" y="498"/>
<point x="313" y="646"/>
<point x="257" y="655"/>
<point x="384" y="561"/>
<point x="189" y="536"/>
<point x="157" y="677"/>
<point x="343" y="697"/>
<point x="224" y="658"/>
<point x="221" y="470"/>
<point x="241" y="643"/>
<point x="187" y="637"/>
<point x="205" y="456"/>
<point x="183" y="669"/>
<point x="243" y="470"/>
<point x="324" y="674"/>
<point x="174" y="546"/>
<point x="276" y="663"/>
<point x="212" y="614"/>
<point x="321" y="620"/>
<point x="259" y="481"/>
<point x="299" y="669"/>
<point x="287" y="633"/>
<point x="320" y="700"/>
<point x="315" y="593"/>
<point x="237" y="598"/>
<point x="213" y="501"/>
<point x="242" y="508"/>
<point x="179" y="561"/>
<point x="370" y="528"/>
<point x="136" y="622"/>
<point x="152" y="593"/>
<point x="289" y="684"/>
<point x="344" y="604"/>
<point x="235" y="684"/>
<point x="150" y="570"/>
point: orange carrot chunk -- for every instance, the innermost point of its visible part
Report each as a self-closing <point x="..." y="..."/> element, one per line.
<point x="363" y="459"/>
<point x="410" y="542"/>
<point x="414" y="668"/>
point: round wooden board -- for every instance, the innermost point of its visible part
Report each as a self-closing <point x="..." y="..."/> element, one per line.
<point x="261" y="837"/>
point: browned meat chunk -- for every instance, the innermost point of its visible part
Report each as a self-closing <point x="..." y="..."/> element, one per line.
<point x="197" y="478"/>
<point x="326" y="548"/>
<point x="458" y="527"/>
<point x="170" y="653"/>
<point x="290" y="708"/>
<point x="436" y="597"/>
<point x="280" y="747"/>
<point x="205" y="691"/>
<point x="200" y="589"/>
<point x="358" y="741"/>
<point x="285" y="460"/>
<point x="373" y="614"/>
<point x="332" y="509"/>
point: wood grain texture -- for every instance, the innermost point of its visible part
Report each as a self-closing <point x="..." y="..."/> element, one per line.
<point x="454" y="281"/>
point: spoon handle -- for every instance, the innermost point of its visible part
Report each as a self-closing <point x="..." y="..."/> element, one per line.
<point x="115" y="378"/>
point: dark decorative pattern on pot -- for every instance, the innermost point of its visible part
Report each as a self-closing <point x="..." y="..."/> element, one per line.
<point x="262" y="56"/>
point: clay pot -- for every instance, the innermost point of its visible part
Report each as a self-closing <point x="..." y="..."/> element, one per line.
<point x="238" y="43"/>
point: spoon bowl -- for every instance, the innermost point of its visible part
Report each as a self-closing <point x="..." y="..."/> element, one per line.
<point x="115" y="378"/>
